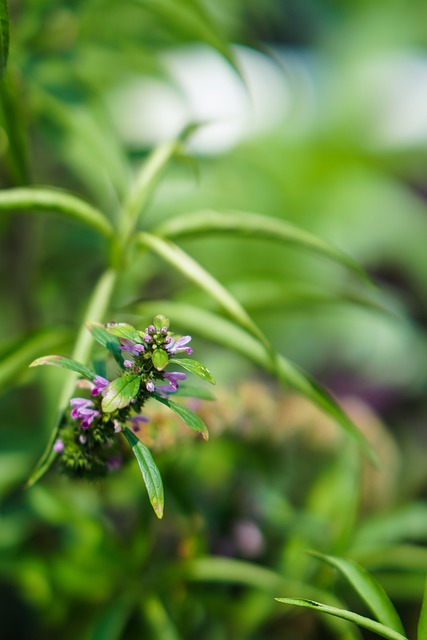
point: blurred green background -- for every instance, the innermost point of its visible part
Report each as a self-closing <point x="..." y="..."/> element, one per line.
<point x="310" y="111"/>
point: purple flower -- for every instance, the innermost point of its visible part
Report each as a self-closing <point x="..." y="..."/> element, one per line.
<point x="136" y="422"/>
<point x="174" y="377"/>
<point x="149" y="386"/>
<point x="100" y="384"/>
<point x="147" y="338"/>
<point x="114" y="463"/>
<point x="179" y="345"/>
<point x="128" y="345"/>
<point x="59" y="446"/>
<point x="81" y="410"/>
<point x="128" y="364"/>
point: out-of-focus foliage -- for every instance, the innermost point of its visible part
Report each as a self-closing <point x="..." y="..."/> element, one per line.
<point x="346" y="161"/>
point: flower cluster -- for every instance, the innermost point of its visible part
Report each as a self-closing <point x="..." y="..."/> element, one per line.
<point x="88" y="444"/>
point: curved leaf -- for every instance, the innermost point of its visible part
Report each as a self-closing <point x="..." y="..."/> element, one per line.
<point x="367" y="623"/>
<point x="195" y="367"/>
<point x="65" y="363"/>
<point x="149" y="470"/>
<point x="253" y="225"/>
<point x="106" y="340"/>
<point x="4" y="36"/>
<point x="195" y="272"/>
<point x="120" y="392"/>
<point x="231" y="336"/>
<point x="123" y="330"/>
<point x="190" y="418"/>
<point x="54" y="201"/>
<point x="368" y="589"/>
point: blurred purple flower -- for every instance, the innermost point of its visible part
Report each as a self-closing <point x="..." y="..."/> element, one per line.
<point x="81" y="410"/>
<point x="59" y="446"/>
<point x="100" y="384"/>
<point x="131" y="347"/>
<point x="175" y="346"/>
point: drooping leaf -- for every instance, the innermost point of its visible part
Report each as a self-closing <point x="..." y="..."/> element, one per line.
<point x="109" y="624"/>
<point x="194" y="367"/>
<point x="158" y="619"/>
<point x="149" y="470"/>
<point x="160" y="359"/>
<point x="368" y="589"/>
<point x="192" y="270"/>
<point x="65" y="363"/>
<point x="123" y="330"/>
<point x="422" y="621"/>
<point x="222" y="331"/>
<point x="376" y="627"/>
<point x="106" y="340"/>
<point x="190" y="418"/>
<point x="120" y="392"/>
<point x="255" y="225"/>
<point x="54" y="201"/>
<point x="4" y="36"/>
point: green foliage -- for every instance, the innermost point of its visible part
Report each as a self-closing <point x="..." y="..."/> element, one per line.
<point x="4" y="35"/>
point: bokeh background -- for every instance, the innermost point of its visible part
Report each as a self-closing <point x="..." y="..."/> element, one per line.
<point x="313" y="111"/>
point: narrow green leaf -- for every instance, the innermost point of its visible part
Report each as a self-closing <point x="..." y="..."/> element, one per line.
<point x="422" y="621"/>
<point x="123" y="330"/>
<point x="149" y="470"/>
<point x="96" y="308"/>
<point x="15" y="360"/>
<point x="254" y="225"/>
<point x="368" y="589"/>
<point x="155" y="614"/>
<point x="231" y="336"/>
<point x="4" y="36"/>
<point x="65" y="363"/>
<point x="197" y="274"/>
<point x="190" y="391"/>
<point x="109" y="624"/>
<point x="120" y="392"/>
<point x="54" y="201"/>
<point x="376" y="627"/>
<point x="190" y="418"/>
<point x="160" y="359"/>
<point x="106" y="340"/>
<point x="194" y="367"/>
<point x="14" y="121"/>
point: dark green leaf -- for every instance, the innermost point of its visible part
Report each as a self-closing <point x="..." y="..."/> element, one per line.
<point x="422" y="621"/>
<point x="103" y="337"/>
<point x="253" y="225"/>
<point x="194" y="367"/>
<point x="150" y="472"/>
<point x="190" y="418"/>
<point x="368" y="589"/>
<point x="160" y="359"/>
<point x="120" y="392"/>
<point x="367" y="623"/>
<point x="65" y="363"/>
<point x="123" y="330"/>
<point x="4" y="36"/>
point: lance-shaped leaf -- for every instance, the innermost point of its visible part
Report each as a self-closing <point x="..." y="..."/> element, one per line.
<point x="242" y="223"/>
<point x="367" y="623"/>
<point x="109" y="342"/>
<point x="230" y="335"/>
<point x="149" y="470"/>
<point x="120" y="392"/>
<point x="195" y="367"/>
<point x="54" y="201"/>
<point x="422" y="621"/>
<point x="368" y="589"/>
<point x="123" y="330"/>
<point x="65" y="363"/>
<point x="190" y="418"/>
<point x="4" y="36"/>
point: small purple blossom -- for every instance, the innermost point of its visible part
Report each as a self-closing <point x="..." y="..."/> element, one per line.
<point x="136" y="422"/>
<point x="128" y="364"/>
<point x="59" y="445"/>
<point x="81" y="410"/>
<point x="165" y="389"/>
<point x="114" y="463"/>
<point x="82" y="439"/>
<point x="131" y="347"/>
<point x="173" y="377"/>
<point x="179" y="345"/>
<point x="149" y="386"/>
<point x="147" y="338"/>
<point x="100" y="384"/>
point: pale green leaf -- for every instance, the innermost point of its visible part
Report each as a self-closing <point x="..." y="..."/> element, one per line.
<point x="422" y="621"/>
<point x="123" y="330"/>
<point x="254" y="225"/>
<point x="368" y="589"/>
<point x="376" y="627"/>
<point x="120" y="392"/>
<point x="54" y="201"/>
<point x="4" y="36"/>
<point x="160" y="359"/>
<point x="190" y="418"/>
<point x="195" y="367"/>
<point x="149" y="470"/>
<point x="231" y="336"/>
<point x="65" y="363"/>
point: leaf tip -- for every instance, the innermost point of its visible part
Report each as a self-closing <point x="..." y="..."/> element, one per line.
<point x="158" y="509"/>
